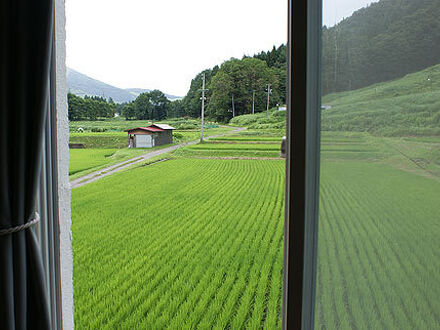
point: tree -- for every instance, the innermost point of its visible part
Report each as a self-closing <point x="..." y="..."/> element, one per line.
<point x="89" y="108"/>
<point x="192" y="102"/>
<point x="240" y="78"/>
<point x="176" y="109"/>
<point x="160" y="104"/>
<point x="143" y="107"/>
<point x="129" y="111"/>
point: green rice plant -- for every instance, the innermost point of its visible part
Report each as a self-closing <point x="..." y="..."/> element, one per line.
<point x="239" y="138"/>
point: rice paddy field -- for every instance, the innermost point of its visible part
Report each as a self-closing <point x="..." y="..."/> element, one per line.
<point x="196" y="242"/>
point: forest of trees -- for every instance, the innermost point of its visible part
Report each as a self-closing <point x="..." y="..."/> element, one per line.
<point x="153" y="105"/>
<point x="90" y="107"/>
<point x="239" y="79"/>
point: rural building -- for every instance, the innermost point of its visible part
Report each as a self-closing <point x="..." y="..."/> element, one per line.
<point x="150" y="136"/>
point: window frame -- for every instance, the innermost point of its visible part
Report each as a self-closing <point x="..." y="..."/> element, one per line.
<point x="53" y="199"/>
<point x="302" y="163"/>
<point x="48" y="231"/>
<point x="302" y="171"/>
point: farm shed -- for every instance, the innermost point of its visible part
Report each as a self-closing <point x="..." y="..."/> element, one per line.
<point x="150" y="136"/>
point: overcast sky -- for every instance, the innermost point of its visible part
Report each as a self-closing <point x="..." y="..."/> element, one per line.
<point x="163" y="44"/>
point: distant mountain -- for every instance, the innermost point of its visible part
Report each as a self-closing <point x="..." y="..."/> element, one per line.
<point x="81" y="85"/>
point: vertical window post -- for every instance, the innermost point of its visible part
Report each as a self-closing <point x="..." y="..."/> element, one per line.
<point x="302" y="165"/>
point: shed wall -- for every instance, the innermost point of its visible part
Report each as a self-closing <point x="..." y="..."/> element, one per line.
<point x="162" y="138"/>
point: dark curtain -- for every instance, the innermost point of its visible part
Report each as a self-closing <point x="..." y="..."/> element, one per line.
<point x="25" y="48"/>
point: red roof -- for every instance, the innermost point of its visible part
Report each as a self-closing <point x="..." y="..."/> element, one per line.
<point x="153" y="129"/>
<point x="148" y="129"/>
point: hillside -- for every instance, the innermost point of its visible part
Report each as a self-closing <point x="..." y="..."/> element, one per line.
<point x="81" y="85"/>
<point x="383" y="41"/>
<point x="406" y="106"/>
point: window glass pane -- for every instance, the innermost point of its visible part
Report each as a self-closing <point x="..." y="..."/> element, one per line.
<point x="379" y="230"/>
<point x="168" y="234"/>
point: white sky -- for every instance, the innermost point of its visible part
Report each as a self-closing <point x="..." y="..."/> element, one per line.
<point x="163" y="44"/>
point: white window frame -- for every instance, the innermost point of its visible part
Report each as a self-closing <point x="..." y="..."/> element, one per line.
<point x="53" y="202"/>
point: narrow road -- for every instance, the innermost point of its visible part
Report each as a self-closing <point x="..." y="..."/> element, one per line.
<point x="81" y="181"/>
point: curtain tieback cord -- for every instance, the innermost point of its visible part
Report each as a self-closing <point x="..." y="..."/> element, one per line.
<point x="20" y="227"/>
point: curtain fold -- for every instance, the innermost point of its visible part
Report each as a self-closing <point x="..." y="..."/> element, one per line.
<point x="25" y="48"/>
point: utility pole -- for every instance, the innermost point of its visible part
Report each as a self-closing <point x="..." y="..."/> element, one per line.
<point x="253" y="101"/>
<point x="233" y="106"/>
<point x="268" y="98"/>
<point x="203" y="98"/>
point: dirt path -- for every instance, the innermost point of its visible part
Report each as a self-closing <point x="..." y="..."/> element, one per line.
<point x="81" y="181"/>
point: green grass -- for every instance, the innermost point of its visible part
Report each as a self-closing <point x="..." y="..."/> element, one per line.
<point x="407" y="106"/>
<point x="275" y="121"/>
<point x="94" y="140"/>
<point x="84" y="159"/>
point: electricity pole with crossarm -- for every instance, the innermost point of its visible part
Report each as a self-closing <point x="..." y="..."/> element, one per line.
<point x="203" y="98"/>
<point x="269" y="91"/>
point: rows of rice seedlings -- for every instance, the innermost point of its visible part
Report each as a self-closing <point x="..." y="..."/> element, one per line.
<point x="83" y="159"/>
<point x="228" y="153"/>
<point x="247" y="138"/>
<point x="235" y="146"/>
<point x="231" y="150"/>
<point x="182" y="244"/>
<point x="378" y="248"/>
